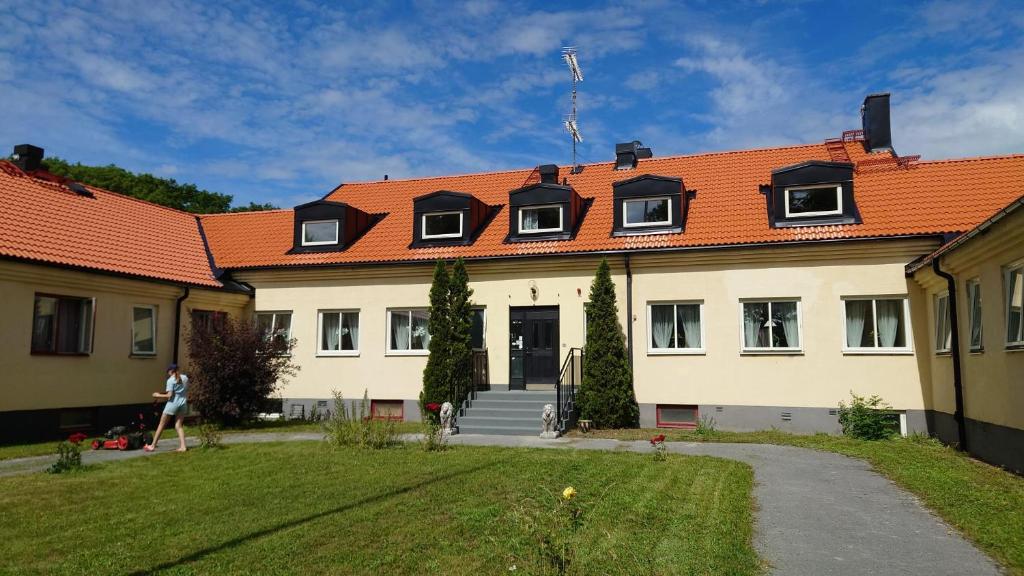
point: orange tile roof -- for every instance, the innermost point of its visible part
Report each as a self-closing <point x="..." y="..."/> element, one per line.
<point x="42" y="220"/>
<point x="926" y="198"/>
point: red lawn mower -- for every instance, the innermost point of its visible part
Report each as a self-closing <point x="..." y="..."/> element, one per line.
<point x="131" y="437"/>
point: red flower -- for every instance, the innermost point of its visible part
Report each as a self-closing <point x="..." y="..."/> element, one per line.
<point x="76" y="437"/>
<point x="657" y="439"/>
<point x="433" y="407"/>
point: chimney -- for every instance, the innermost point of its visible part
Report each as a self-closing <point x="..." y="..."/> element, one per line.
<point x="875" y="121"/>
<point x="28" y="157"/>
<point x="548" y="173"/>
<point x="627" y="154"/>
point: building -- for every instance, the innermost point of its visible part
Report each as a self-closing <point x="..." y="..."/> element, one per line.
<point x="756" y="287"/>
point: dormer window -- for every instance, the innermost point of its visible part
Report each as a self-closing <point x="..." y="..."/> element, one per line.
<point x="319" y="232"/>
<point x="823" y="200"/>
<point x="647" y="212"/>
<point x="540" y="219"/>
<point x="649" y="204"/>
<point x="442" y="225"/>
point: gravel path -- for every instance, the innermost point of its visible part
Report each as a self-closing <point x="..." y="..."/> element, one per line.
<point x="818" y="513"/>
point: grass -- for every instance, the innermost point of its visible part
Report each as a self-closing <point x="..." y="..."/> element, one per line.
<point x="983" y="502"/>
<point x="304" y="507"/>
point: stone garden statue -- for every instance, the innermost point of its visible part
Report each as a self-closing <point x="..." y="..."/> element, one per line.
<point x="447" y="418"/>
<point x="548" y="421"/>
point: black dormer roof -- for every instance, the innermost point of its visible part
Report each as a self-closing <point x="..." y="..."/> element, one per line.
<point x="543" y="194"/>
<point x="352" y="224"/>
<point x="475" y="216"/>
<point x="809" y="174"/>
<point x="650" y="186"/>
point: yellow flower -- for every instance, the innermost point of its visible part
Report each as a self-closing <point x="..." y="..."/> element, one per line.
<point x="569" y="493"/>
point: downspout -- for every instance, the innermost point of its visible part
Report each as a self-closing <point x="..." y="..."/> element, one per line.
<point x="177" y="322"/>
<point x="629" y="312"/>
<point x="954" y="351"/>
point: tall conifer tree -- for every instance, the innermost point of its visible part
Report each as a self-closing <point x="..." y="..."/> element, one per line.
<point x="436" y="379"/>
<point x="461" y="329"/>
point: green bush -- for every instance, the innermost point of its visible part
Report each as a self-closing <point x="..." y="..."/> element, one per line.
<point x="867" y="418"/>
<point x="69" y="457"/>
<point x="354" y="426"/>
<point x="209" y="435"/>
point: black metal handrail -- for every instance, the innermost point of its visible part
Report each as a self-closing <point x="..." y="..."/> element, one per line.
<point x="569" y="377"/>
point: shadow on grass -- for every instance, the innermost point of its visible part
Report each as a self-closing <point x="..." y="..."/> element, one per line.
<point x="199" y="554"/>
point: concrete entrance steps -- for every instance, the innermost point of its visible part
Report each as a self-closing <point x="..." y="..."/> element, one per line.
<point x="507" y="413"/>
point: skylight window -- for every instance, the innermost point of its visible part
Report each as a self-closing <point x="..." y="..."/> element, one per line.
<point x="540" y="219"/>
<point x="442" y="225"/>
<point x="319" y="232"/>
<point x="824" y="200"/>
<point x="647" y="212"/>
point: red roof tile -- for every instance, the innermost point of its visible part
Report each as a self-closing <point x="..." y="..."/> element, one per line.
<point x="926" y="198"/>
<point x="45" y="221"/>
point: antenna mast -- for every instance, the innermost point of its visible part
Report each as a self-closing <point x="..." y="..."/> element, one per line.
<point x="569" y="55"/>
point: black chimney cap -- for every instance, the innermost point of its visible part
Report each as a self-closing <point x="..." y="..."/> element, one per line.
<point x="627" y="154"/>
<point x="28" y="157"/>
<point x="548" y="173"/>
<point x="875" y="122"/>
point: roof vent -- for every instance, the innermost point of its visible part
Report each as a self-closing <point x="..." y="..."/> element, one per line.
<point x="875" y="121"/>
<point x="548" y="173"/>
<point x="28" y="157"/>
<point x="627" y="154"/>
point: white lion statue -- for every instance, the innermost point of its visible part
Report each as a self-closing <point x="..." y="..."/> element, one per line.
<point x="447" y="417"/>
<point x="548" y="421"/>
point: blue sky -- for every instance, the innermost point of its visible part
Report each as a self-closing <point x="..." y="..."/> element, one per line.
<point x="279" y="103"/>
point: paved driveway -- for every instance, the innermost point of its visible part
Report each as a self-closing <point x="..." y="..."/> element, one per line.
<point x="818" y="513"/>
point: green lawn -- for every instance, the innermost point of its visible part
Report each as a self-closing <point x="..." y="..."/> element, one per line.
<point x="304" y="507"/>
<point x="984" y="502"/>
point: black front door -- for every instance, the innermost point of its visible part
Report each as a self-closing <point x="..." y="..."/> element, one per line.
<point x="534" y="346"/>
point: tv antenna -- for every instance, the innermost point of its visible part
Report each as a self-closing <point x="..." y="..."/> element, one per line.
<point x="569" y="55"/>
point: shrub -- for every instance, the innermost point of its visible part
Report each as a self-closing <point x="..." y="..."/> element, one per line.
<point x="706" y="426"/>
<point x="867" y="418"/>
<point x="606" y="395"/>
<point x="235" y="368"/>
<point x="449" y="371"/>
<point x="434" y="439"/>
<point x="353" y="426"/>
<point x="69" y="455"/>
<point x="210" y="435"/>
<point x="660" y="450"/>
<point x="437" y="371"/>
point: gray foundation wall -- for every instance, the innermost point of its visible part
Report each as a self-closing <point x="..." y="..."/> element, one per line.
<point x="995" y="444"/>
<point x="411" y="408"/>
<point x="795" y="419"/>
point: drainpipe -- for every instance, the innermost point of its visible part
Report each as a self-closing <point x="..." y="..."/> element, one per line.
<point x="629" y="311"/>
<point x="958" y="384"/>
<point x="177" y="322"/>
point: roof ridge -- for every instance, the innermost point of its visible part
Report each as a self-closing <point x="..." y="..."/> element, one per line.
<point x="242" y="213"/>
<point x="1010" y="156"/>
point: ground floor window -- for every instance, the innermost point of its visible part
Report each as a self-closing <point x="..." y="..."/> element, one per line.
<point x="339" y="332"/>
<point x="208" y="319"/>
<point x="387" y="410"/>
<point x="143" y="330"/>
<point x="276" y="326"/>
<point x="408" y="331"/>
<point x="62" y="325"/>
<point x="771" y="325"/>
<point x="943" y="332"/>
<point x="478" y="331"/>
<point x="974" y="313"/>
<point x="876" y="324"/>
<point x="676" y="416"/>
<point x="675" y="327"/>
<point x="1015" y="306"/>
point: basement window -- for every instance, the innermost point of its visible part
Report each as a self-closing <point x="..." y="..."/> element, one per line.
<point x="442" y="225"/>
<point x="62" y="325"/>
<point x="319" y="232"/>
<point x="676" y="416"/>
<point x="647" y="212"/>
<point x="393" y="410"/>
<point x="824" y="200"/>
<point x="540" y="219"/>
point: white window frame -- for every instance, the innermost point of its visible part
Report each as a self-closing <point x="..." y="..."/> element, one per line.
<point x="908" y="336"/>
<point x="388" y="351"/>
<point x="972" y="288"/>
<point x="771" y="350"/>
<point x="941" y="324"/>
<point x="320" y="333"/>
<point x="541" y="230"/>
<point x="475" y="308"/>
<point x="839" y="200"/>
<point x="625" y="213"/>
<point x="273" y="321"/>
<point x="675" y="351"/>
<point x="1007" y="298"/>
<point x="153" y="319"/>
<point x="321" y="242"/>
<point x="423" y="225"/>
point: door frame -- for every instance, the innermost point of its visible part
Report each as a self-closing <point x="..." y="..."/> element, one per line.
<point x="556" y="345"/>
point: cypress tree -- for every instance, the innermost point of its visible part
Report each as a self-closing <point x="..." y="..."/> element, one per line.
<point x="460" y="335"/>
<point x="606" y="395"/>
<point x="436" y="380"/>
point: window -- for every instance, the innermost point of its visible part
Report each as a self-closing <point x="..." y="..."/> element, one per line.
<point x="208" y="319"/>
<point x="62" y="325"/>
<point x="143" y="330"/>
<point x="276" y="326"/>
<point x="319" y="232"/>
<point x="943" y="333"/>
<point x="772" y="325"/>
<point x="478" y="330"/>
<point x="442" y="225"/>
<point x="339" y="333"/>
<point x="674" y="416"/>
<point x="814" y="201"/>
<point x="647" y="212"/>
<point x="876" y="324"/>
<point x="537" y="219"/>
<point x="675" y="327"/>
<point x="387" y="410"/>
<point x="408" y="331"/>
<point x="1015" y="306"/>
<point x="974" y="313"/>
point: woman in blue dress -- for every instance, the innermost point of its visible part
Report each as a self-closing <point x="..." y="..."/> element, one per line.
<point x="176" y="407"/>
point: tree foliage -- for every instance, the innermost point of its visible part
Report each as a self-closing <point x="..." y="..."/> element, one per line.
<point x="868" y="418"/>
<point x="449" y="371"/>
<point x="234" y="368"/>
<point x="163" y="191"/>
<point x="460" y="331"/>
<point x="606" y="395"/>
<point x="436" y="373"/>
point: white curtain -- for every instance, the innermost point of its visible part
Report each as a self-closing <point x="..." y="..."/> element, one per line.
<point x="753" y="317"/>
<point x="856" y="315"/>
<point x="689" y="320"/>
<point x="420" y="330"/>
<point x="350" y="323"/>
<point x="400" y="331"/>
<point x="331" y="336"/>
<point x="785" y="313"/>
<point x="889" y="313"/>
<point x="662" y="326"/>
<point x="531" y="219"/>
